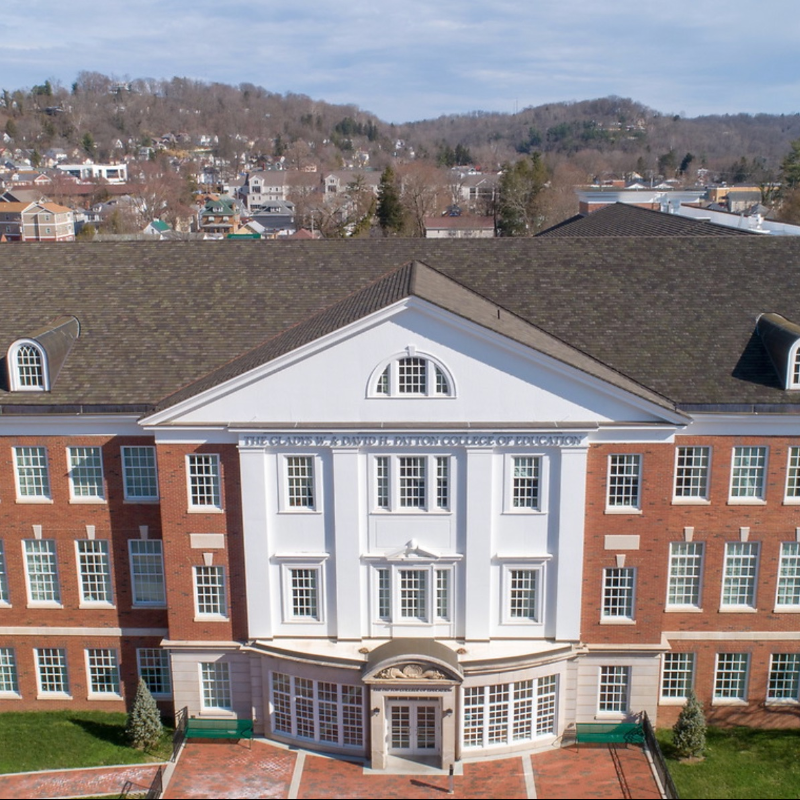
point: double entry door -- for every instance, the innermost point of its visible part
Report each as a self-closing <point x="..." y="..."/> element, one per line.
<point x="414" y="727"/>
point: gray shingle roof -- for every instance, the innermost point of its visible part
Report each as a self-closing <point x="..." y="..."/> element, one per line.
<point x="156" y="318"/>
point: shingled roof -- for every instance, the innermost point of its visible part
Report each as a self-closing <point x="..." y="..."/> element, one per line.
<point x="160" y="320"/>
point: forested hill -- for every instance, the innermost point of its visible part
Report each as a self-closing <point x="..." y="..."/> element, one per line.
<point x="108" y="118"/>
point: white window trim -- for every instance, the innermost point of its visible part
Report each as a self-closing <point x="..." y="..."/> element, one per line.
<point x="692" y="500"/>
<point x="41" y="694"/>
<point x="431" y="483"/>
<point x="792" y="358"/>
<point x="13" y="367"/>
<point x="619" y="619"/>
<point x="211" y="616"/>
<point x="139" y="651"/>
<point x="283" y="484"/>
<point x="614" y="714"/>
<point x="791" y="608"/>
<point x="33" y="498"/>
<point x="536" y="566"/>
<point x="5" y="601"/>
<point x="430" y="568"/>
<point x="201" y="508"/>
<point x="675" y="700"/>
<point x="691" y="607"/>
<point x="12" y="694"/>
<point x="89" y="499"/>
<point x="780" y="701"/>
<point x="93" y="694"/>
<point x="740" y="607"/>
<point x="731" y="701"/>
<point x="624" y="509"/>
<point x="84" y="603"/>
<point x="225" y="711"/>
<point x="754" y="500"/>
<point x="315" y="566"/>
<point x="147" y="603"/>
<point x="393" y="393"/>
<point x="138" y="498"/>
<point x="57" y="580"/>
<point x="790" y="500"/>
<point x="508" y="484"/>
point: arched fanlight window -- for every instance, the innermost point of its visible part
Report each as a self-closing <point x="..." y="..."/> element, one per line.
<point x="411" y="375"/>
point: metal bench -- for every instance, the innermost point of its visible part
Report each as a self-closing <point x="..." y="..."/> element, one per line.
<point x="609" y="733"/>
<point x="219" y="728"/>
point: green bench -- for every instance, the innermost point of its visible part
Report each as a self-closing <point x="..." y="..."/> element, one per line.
<point x="219" y="728"/>
<point x="609" y="733"/>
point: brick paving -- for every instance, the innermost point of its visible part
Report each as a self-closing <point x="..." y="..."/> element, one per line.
<point x="77" y="782"/>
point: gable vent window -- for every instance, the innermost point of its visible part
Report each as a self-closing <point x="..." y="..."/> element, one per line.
<point x="413" y="375"/>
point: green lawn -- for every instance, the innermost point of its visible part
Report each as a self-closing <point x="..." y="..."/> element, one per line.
<point x="740" y="763"/>
<point x="62" y="739"/>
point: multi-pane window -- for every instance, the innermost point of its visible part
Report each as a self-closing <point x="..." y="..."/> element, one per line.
<point x="300" y="481"/>
<point x="209" y="590"/>
<point x="154" y="670"/>
<point x="677" y="677"/>
<point x="413" y="375"/>
<point x="51" y="670"/>
<point x="691" y="472"/>
<point x="730" y="678"/>
<point x="8" y="671"/>
<point x="317" y="710"/>
<point x="30" y="371"/>
<point x="685" y="574"/>
<point x="739" y="576"/>
<point x="139" y="472"/>
<point x="784" y="677"/>
<point x="748" y="472"/>
<point x="624" y="477"/>
<point x="618" y="589"/>
<point x="523" y="595"/>
<point x="215" y="682"/>
<point x="4" y="596"/>
<point x="508" y="713"/>
<point x="147" y="572"/>
<point x="793" y="474"/>
<point x="103" y="671"/>
<point x="614" y="689"/>
<point x="413" y="483"/>
<point x="525" y="482"/>
<point x="85" y="473"/>
<point x="304" y="589"/>
<point x="42" y="571"/>
<point x="789" y="576"/>
<point x="33" y="479"/>
<point x="94" y="570"/>
<point x="419" y="594"/>
<point x="204" y="483"/>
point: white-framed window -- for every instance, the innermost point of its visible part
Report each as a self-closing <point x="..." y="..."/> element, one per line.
<point x="303" y="588"/>
<point x="94" y="571"/>
<point x="33" y="477"/>
<point x="624" y="482"/>
<point x="411" y="375"/>
<point x="794" y="368"/>
<point x="102" y="669"/>
<point x="300" y="484"/>
<point x="416" y="594"/>
<point x="51" y="671"/>
<point x="204" y="481"/>
<point x="739" y="575"/>
<point x="730" y="676"/>
<point x="619" y="584"/>
<point x="215" y="685"/>
<point x="154" y="670"/>
<point x="523" y="593"/>
<point x="524" y="482"/>
<point x="139" y="473"/>
<point x="147" y="572"/>
<point x="793" y="476"/>
<point x="684" y="585"/>
<point x="319" y="711"/>
<point x="508" y="713"/>
<point x="9" y="683"/>
<point x="748" y="473"/>
<point x="209" y="592"/>
<point x="784" y="678"/>
<point x="408" y="484"/>
<point x="614" y="690"/>
<point x="692" y="466"/>
<point x="788" y="595"/>
<point x="5" y="598"/>
<point x="85" y="473"/>
<point x="677" y="675"/>
<point x="27" y="367"/>
<point x="41" y="570"/>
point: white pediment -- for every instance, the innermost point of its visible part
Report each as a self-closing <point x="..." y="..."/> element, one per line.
<point x="495" y="380"/>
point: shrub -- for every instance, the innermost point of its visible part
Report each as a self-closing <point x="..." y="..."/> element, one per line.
<point x="143" y="728"/>
<point x="689" y="732"/>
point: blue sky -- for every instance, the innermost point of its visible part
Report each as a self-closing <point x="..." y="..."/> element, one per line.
<point x="420" y="59"/>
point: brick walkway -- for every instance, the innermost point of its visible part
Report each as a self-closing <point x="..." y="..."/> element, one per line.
<point x="77" y="782"/>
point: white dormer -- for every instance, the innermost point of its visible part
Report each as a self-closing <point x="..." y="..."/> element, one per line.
<point x="27" y="367"/>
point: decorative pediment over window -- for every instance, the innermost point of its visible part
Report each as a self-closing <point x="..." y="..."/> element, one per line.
<point x="781" y="339"/>
<point x="411" y="374"/>
<point x="413" y="552"/>
<point x="33" y="362"/>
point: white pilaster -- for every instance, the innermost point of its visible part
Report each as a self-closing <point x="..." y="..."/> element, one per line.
<point x="479" y="540"/>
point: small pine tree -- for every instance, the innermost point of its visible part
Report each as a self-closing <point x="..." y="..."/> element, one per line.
<point x="143" y="728"/>
<point x="689" y="732"/>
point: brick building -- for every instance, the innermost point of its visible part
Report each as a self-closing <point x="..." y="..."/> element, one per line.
<point x="404" y="497"/>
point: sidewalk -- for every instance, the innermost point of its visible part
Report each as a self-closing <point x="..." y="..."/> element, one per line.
<point x="77" y="782"/>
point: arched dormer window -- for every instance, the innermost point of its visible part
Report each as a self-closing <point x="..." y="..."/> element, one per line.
<point x="27" y="367"/>
<point x="794" y="368"/>
<point x="411" y="374"/>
